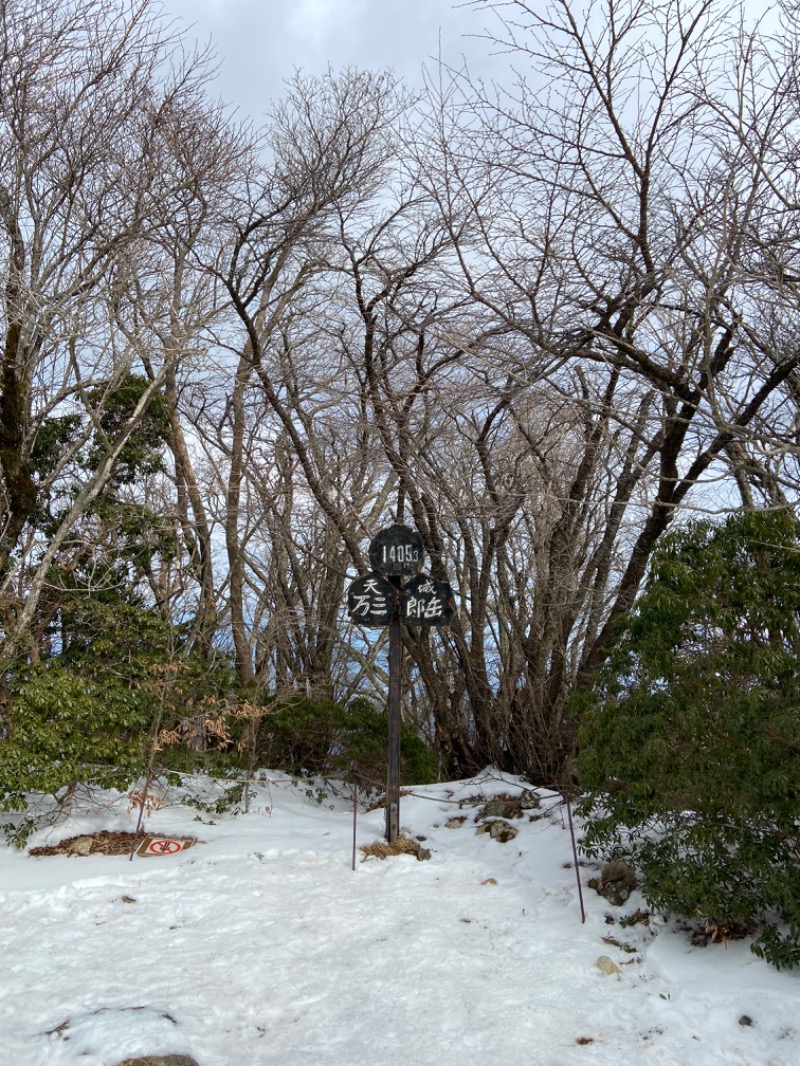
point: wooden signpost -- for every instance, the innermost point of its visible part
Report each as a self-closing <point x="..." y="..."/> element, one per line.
<point x="382" y="599"/>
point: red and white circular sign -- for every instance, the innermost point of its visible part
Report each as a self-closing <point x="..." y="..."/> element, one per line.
<point x="164" y="847"/>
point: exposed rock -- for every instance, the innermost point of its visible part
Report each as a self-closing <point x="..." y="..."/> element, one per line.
<point x="455" y="823"/>
<point x="617" y="881"/>
<point x="161" y="1060"/>
<point x="80" y="846"/>
<point x="498" y="830"/>
<point x="501" y="807"/>
<point x="505" y="806"/>
<point x="606" y="965"/>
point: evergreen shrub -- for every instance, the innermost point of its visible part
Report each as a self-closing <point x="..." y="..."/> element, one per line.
<point x="84" y="715"/>
<point x="323" y="738"/>
<point x="690" y="736"/>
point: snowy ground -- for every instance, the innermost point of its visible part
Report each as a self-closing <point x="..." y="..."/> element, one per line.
<point x="261" y="946"/>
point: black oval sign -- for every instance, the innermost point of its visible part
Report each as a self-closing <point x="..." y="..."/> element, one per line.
<point x="427" y="602"/>
<point x="371" y="600"/>
<point x="397" y="552"/>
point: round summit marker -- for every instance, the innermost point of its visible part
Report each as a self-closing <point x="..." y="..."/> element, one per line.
<point x="397" y="552"/>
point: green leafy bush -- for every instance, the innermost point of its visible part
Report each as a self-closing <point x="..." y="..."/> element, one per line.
<point x="323" y="738"/>
<point x="72" y="727"/>
<point x="690" y="738"/>
<point x="84" y="715"/>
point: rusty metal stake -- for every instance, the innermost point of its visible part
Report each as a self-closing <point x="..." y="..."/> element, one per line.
<point x="355" y="815"/>
<point x="575" y="857"/>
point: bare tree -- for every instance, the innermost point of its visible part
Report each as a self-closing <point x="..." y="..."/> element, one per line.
<point x="608" y="221"/>
<point x="103" y="197"/>
<point x="329" y="150"/>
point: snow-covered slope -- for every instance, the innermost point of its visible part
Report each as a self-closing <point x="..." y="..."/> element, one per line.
<point x="260" y="945"/>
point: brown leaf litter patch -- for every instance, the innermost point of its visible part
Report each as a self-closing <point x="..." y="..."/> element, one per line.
<point x="402" y="846"/>
<point x="720" y="932"/>
<point x="629" y="948"/>
<point x="105" y="842"/>
<point x="639" y="917"/>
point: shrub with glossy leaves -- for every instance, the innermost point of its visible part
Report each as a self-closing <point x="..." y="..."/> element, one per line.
<point x="69" y="728"/>
<point x="690" y="737"/>
<point x="84" y="716"/>
<point x="322" y="737"/>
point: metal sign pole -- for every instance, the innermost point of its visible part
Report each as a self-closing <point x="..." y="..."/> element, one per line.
<point x="393" y="779"/>
<point x="381" y="599"/>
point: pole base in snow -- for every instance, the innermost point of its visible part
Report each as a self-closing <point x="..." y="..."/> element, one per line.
<point x="392" y="827"/>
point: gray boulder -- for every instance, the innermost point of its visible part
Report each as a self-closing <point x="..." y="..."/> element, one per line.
<point x="617" y="881"/>
<point x="498" y="830"/>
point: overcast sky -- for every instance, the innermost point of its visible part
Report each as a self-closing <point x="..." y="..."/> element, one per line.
<point x="260" y="43"/>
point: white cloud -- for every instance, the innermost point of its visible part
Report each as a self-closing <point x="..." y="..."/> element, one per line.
<point x="260" y="43"/>
<point x="317" y="22"/>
